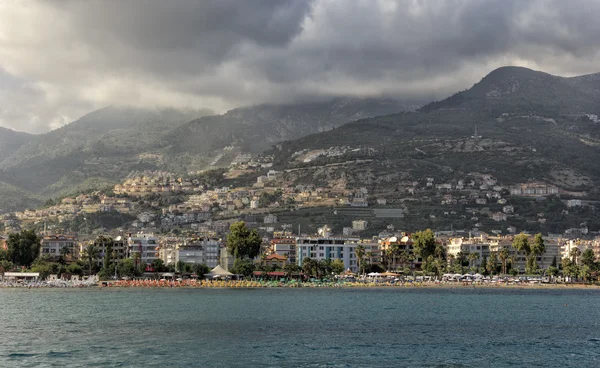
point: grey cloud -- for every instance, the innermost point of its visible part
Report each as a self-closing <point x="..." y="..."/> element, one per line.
<point x="224" y="53"/>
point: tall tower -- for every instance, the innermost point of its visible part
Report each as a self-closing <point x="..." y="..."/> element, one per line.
<point x="476" y="135"/>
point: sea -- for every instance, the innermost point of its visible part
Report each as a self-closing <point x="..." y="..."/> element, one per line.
<point x="307" y="327"/>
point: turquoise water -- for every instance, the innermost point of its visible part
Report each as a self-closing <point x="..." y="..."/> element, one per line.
<point x="299" y="328"/>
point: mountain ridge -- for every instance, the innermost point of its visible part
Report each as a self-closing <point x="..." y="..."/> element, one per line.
<point x="518" y="140"/>
<point x="11" y="141"/>
<point x="109" y="143"/>
<point x="525" y="90"/>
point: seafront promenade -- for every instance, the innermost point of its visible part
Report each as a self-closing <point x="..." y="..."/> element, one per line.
<point x="292" y="284"/>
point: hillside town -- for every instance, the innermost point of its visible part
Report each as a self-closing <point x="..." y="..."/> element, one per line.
<point x="423" y="253"/>
<point x="252" y="191"/>
<point x="175" y="223"/>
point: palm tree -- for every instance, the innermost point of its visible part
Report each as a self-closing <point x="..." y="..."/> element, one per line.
<point x="491" y="264"/>
<point x="538" y="247"/>
<point x="395" y="250"/>
<point x="575" y="253"/>
<point x="114" y="257"/>
<point x="584" y="272"/>
<point x="460" y="256"/>
<point x="411" y="261"/>
<point x="472" y="258"/>
<point x="503" y="254"/>
<point x="369" y="255"/>
<point x="308" y="266"/>
<point x="360" y="254"/>
<point x="512" y="260"/>
<point x="90" y="253"/>
<point x="451" y="259"/>
<point x="137" y="257"/>
<point x="404" y="257"/>
<point x="387" y="258"/>
<point x="440" y="252"/>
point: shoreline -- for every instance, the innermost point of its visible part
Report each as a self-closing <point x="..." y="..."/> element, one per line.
<point x="153" y="284"/>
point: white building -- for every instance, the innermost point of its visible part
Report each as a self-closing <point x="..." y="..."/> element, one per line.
<point x="467" y="246"/>
<point x="359" y="225"/>
<point x="270" y="219"/>
<point x="284" y="247"/>
<point x="322" y="248"/>
<point x="146" y="245"/>
<point x="56" y="245"/>
<point x="508" y="209"/>
<point x="200" y="251"/>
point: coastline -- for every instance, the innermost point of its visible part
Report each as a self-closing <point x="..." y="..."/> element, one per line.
<point x="193" y="284"/>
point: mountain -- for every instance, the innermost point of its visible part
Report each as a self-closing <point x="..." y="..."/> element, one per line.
<point x="522" y="90"/>
<point x="104" y="144"/>
<point x="11" y="141"/>
<point x="516" y="124"/>
<point x="256" y="128"/>
<point x="13" y="198"/>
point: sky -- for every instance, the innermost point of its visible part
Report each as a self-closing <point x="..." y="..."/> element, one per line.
<point x="62" y="59"/>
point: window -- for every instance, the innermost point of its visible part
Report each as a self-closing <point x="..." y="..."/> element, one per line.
<point x="321" y="248"/>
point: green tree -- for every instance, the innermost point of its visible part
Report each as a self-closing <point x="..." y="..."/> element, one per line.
<point x="369" y="256"/>
<point x="137" y="260"/>
<point x="309" y="267"/>
<point x="158" y="265"/>
<point x="440" y="252"/>
<point x="200" y="270"/>
<point x="44" y="267"/>
<point x="569" y="268"/>
<point x="243" y="242"/>
<point x="575" y="253"/>
<point x="404" y="257"/>
<point x="552" y="271"/>
<point x="180" y="266"/>
<point x="75" y="269"/>
<point x="521" y="244"/>
<point x="65" y="252"/>
<point x="538" y="248"/>
<point x="588" y="258"/>
<point x="360" y="255"/>
<point x="243" y="267"/>
<point x="472" y="258"/>
<point x="127" y="268"/>
<point x="503" y="255"/>
<point x="90" y="254"/>
<point x="291" y="269"/>
<point x="531" y="265"/>
<point x="492" y="263"/>
<point x="6" y="266"/>
<point x="395" y="252"/>
<point x="324" y="268"/>
<point x="424" y="244"/>
<point x="105" y="243"/>
<point x="23" y="247"/>
<point x="460" y="256"/>
<point x="585" y="272"/>
<point x="337" y="266"/>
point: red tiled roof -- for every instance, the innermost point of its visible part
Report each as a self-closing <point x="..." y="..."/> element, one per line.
<point x="275" y="256"/>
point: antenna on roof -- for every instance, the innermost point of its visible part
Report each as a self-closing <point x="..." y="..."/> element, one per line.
<point x="476" y="135"/>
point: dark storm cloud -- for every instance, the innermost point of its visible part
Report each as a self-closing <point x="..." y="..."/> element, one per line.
<point x="64" y="58"/>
